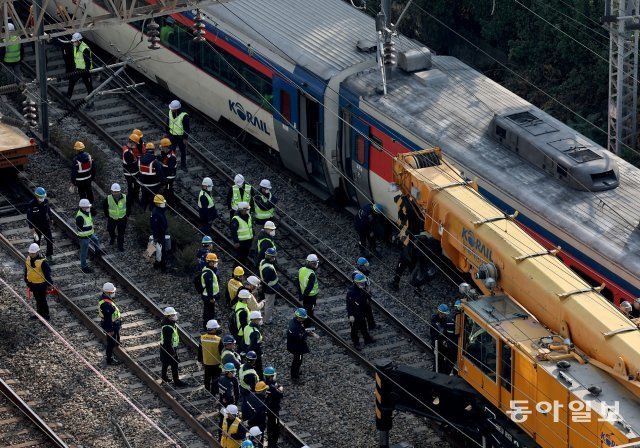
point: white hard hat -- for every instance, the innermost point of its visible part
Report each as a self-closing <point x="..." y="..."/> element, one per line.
<point x="11" y="27"/>
<point x="213" y="325"/>
<point x="108" y="287"/>
<point x="76" y="37"/>
<point x="255" y="431"/>
<point x="243" y="205"/>
<point x="269" y="225"/>
<point x="255" y="281"/>
<point x="115" y="187"/>
<point x="34" y="248"/>
<point x="255" y="315"/>
<point x="174" y="105"/>
<point x="232" y="409"/>
<point x="238" y="180"/>
<point x="264" y="183"/>
<point x="84" y="203"/>
<point x="207" y="182"/>
<point x="244" y="294"/>
<point x="170" y="311"/>
<point x="312" y="258"/>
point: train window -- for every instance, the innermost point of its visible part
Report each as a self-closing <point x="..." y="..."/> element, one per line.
<point x="285" y="105"/>
<point x="505" y="367"/>
<point x="480" y="348"/>
<point x="360" y="155"/>
<point x="501" y="132"/>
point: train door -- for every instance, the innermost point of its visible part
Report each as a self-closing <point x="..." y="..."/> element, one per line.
<point x="286" y="126"/>
<point x="360" y="160"/>
<point x="310" y="143"/>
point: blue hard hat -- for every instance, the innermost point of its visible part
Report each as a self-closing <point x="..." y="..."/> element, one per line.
<point x="378" y="208"/>
<point x="247" y="444"/>
<point x="40" y="192"/>
<point x="458" y="303"/>
<point x="229" y="367"/>
<point x="360" y="278"/>
<point x="252" y="355"/>
<point x="269" y="371"/>
<point x="301" y="313"/>
<point x="271" y="251"/>
<point x="207" y="239"/>
<point x="228" y="339"/>
<point x="443" y="308"/>
<point x="362" y="261"/>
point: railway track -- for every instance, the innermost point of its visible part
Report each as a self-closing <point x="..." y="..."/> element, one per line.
<point x="112" y="119"/>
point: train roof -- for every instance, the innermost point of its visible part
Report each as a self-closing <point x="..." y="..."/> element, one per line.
<point x="318" y="35"/>
<point x="452" y="106"/>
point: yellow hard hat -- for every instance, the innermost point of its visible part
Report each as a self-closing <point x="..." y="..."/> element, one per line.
<point x="238" y="271"/>
<point x="150" y="146"/>
<point x="261" y="386"/>
<point x="165" y="143"/>
<point x="211" y="257"/>
<point x="137" y="132"/>
<point x="134" y="138"/>
<point x="78" y="146"/>
<point x="159" y="199"/>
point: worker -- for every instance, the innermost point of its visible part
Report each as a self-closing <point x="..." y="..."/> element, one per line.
<point x="130" y="156"/>
<point x="205" y="248"/>
<point x="231" y="436"/>
<point x="253" y="338"/>
<point x="228" y="387"/>
<point x="209" y="354"/>
<point x="140" y="144"/>
<point x="442" y="335"/>
<point x="229" y="354"/>
<point x="297" y="341"/>
<point x="248" y="377"/>
<point x="362" y="266"/>
<point x="206" y="206"/>
<point x="116" y="208"/>
<point x="83" y="171"/>
<point x="110" y="318"/>
<point x="12" y="54"/>
<point x="86" y="233"/>
<point x="269" y="277"/>
<point x="264" y="203"/>
<point x="150" y="175"/>
<point x="364" y="222"/>
<point x="210" y="288"/>
<point x="273" y="400"/>
<point x="255" y="435"/>
<point x="169" y="341"/>
<point x="167" y="30"/>
<point x="247" y="444"/>
<point x="265" y="240"/>
<point x="159" y="230"/>
<point x="253" y="285"/>
<point x="178" y="130"/>
<point x="635" y="313"/>
<point x="37" y="276"/>
<point x="357" y="299"/>
<point x="254" y="409"/>
<point x="169" y="167"/>
<point x="82" y="58"/>
<point x="240" y="317"/>
<point x="239" y="192"/>
<point x="626" y="308"/>
<point x="406" y="260"/>
<point x="308" y="285"/>
<point x="242" y="233"/>
<point x="39" y="219"/>
<point x="234" y="285"/>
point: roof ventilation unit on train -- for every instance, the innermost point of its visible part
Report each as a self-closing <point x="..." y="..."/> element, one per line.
<point x="415" y="60"/>
<point x="556" y="149"/>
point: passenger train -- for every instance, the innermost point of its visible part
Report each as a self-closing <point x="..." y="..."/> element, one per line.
<point x="302" y="77"/>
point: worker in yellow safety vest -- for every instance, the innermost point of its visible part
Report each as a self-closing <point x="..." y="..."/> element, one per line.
<point x="308" y="286"/>
<point x="264" y="203"/>
<point x="12" y="54"/>
<point x="232" y="432"/>
<point x="239" y="192"/>
<point x="110" y="318"/>
<point x="242" y="233"/>
<point x="83" y="63"/>
<point x="209" y="354"/>
<point x="234" y="285"/>
<point x="37" y="276"/>
<point x="178" y="130"/>
<point x="116" y="208"/>
<point x="169" y="341"/>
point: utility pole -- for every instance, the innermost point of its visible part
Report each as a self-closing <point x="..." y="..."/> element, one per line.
<point x="623" y="19"/>
<point x="41" y="70"/>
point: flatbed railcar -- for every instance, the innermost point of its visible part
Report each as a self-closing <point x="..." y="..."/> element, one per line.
<point x="15" y="147"/>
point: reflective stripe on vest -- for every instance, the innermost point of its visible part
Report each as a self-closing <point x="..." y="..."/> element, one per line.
<point x="175" y="337"/>
<point x="216" y="288"/>
<point x="116" y="313"/>
<point x="236" y="198"/>
<point x="78" y="56"/>
<point x="226" y="441"/>
<point x="210" y="354"/>
<point x="207" y="195"/>
<point x="243" y="373"/>
<point x="247" y="334"/>
<point x="263" y="214"/>
<point x="245" y="228"/>
<point x="165" y="164"/>
<point x="148" y="173"/>
<point x="117" y="210"/>
<point x="84" y="169"/>
<point x="262" y="240"/>
<point x="175" y="124"/>
<point x="232" y="288"/>
<point x="265" y="265"/>
<point x="12" y="51"/>
<point x="240" y="306"/>
<point x="130" y="169"/>
<point x="87" y="222"/>
<point x="35" y="275"/>
<point x="303" y="278"/>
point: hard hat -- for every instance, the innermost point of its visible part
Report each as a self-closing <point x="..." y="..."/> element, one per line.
<point x="175" y="105"/>
<point x="252" y="355"/>
<point x="269" y="371"/>
<point x="78" y="146"/>
<point x="40" y="192"/>
<point x="265" y="183"/>
<point x="243" y="206"/>
<point x="211" y="257"/>
<point x="377" y="208"/>
<point x="11" y="27"/>
<point x="271" y="252"/>
<point x="254" y="430"/>
<point x="360" y="278"/>
<point x="269" y="225"/>
<point x="108" y="287"/>
<point x="228" y="339"/>
<point x="207" y="182"/>
<point x="232" y="408"/>
<point x="170" y="311"/>
<point x="207" y="239"/>
<point x="165" y="143"/>
<point x="213" y="325"/>
<point x="137" y="132"/>
<point x="255" y="315"/>
<point x="247" y="444"/>
<point x="76" y="37"/>
<point x="313" y="258"/>
<point x="34" y="248"/>
<point x="84" y="203"/>
<point x="458" y="304"/>
<point x="443" y="308"/>
<point x="135" y="138"/>
<point x="261" y="386"/>
<point x="115" y="187"/>
<point x="244" y="294"/>
<point x="149" y="146"/>
<point x="625" y="306"/>
<point x="238" y="271"/>
<point x="362" y="261"/>
<point x="229" y="367"/>
<point x="238" y="180"/>
<point x="253" y="280"/>
<point x="159" y="199"/>
<point x="301" y="313"/>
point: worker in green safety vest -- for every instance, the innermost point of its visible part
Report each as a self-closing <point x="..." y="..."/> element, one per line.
<point x="264" y="203"/>
<point x="178" y="127"/>
<point x="242" y="233"/>
<point x="116" y="208"/>
<point x="83" y="62"/>
<point x="308" y="286"/>
<point x="110" y="318"/>
<point x="169" y="341"/>
<point x="12" y="54"/>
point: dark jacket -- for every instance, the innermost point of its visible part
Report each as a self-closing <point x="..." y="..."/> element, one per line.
<point x="201" y="256"/>
<point x="169" y="164"/>
<point x="82" y="157"/>
<point x="39" y="214"/>
<point x="274" y="398"/>
<point x="232" y="358"/>
<point x="263" y="242"/>
<point x="158" y="177"/>
<point x="159" y="224"/>
<point x="107" y="313"/>
<point x="185" y="122"/>
<point x="46" y="270"/>
<point x="130" y="164"/>
<point x="167" y="352"/>
<point x="229" y="390"/>
<point x="208" y="286"/>
<point x="254" y="410"/>
<point x="254" y="340"/>
<point x="297" y="338"/>
<point x="357" y="302"/>
<point x="442" y="329"/>
<point x="363" y="221"/>
<point x="234" y="230"/>
<point x="105" y="205"/>
<point x="267" y="275"/>
<point x="206" y="214"/>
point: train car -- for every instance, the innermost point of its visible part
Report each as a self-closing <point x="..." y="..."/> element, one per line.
<point x="301" y="76"/>
<point x="15" y="147"/>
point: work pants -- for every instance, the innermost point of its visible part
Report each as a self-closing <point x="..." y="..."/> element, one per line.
<point x="269" y="307"/>
<point x="208" y="311"/>
<point x="211" y="377"/>
<point x="39" y="292"/>
<point x="86" y="79"/>
<point x="147" y="195"/>
<point x="178" y="143"/>
<point x="402" y="265"/>
<point x="86" y="192"/>
<point x="359" y="326"/>
<point x="169" y="361"/>
<point x="369" y="315"/>
<point x="366" y="240"/>
<point x="84" y="248"/>
<point x="120" y="225"/>
<point x="113" y="341"/>
<point x="295" y="365"/>
<point x="161" y="255"/>
<point x="44" y="230"/>
<point x="273" y="430"/>
<point x="309" y="304"/>
<point x="169" y="194"/>
<point x="16" y="71"/>
<point x="133" y="190"/>
<point x="446" y="355"/>
<point x="258" y="367"/>
<point x="242" y="253"/>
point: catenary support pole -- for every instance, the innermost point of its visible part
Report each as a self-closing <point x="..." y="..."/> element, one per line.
<point x="41" y="73"/>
